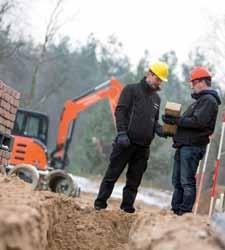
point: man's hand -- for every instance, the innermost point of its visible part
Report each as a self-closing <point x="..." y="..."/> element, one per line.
<point x="168" y="119"/>
<point x="167" y="134"/>
<point x="122" y="139"/>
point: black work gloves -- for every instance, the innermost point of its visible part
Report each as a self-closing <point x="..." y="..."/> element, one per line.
<point x="122" y="139"/>
<point x="168" y="119"/>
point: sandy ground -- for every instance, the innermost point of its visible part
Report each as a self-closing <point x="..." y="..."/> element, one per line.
<point x="43" y="220"/>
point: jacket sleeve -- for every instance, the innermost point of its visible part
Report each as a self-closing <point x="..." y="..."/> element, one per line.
<point x="201" y="117"/>
<point x="123" y="108"/>
<point x="158" y="128"/>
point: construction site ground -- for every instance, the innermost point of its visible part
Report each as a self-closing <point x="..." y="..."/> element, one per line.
<point x="40" y="220"/>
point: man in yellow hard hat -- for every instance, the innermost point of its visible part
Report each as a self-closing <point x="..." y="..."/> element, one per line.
<point x="137" y="115"/>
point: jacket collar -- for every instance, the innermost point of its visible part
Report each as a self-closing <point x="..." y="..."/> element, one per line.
<point x="209" y="91"/>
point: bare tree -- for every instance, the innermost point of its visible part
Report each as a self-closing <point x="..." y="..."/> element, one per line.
<point x="51" y="31"/>
<point x="7" y="47"/>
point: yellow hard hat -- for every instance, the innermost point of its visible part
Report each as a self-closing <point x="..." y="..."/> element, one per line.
<point x="160" y="69"/>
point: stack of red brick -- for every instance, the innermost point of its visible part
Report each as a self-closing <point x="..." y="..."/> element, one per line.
<point x="9" y="102"/>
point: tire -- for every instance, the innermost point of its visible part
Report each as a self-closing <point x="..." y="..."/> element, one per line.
<point x="59" y="181"/>
<point x="27" y="173"/>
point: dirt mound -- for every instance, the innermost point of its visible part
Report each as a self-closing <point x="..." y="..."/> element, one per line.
<point x="78" y="228"/>
<point x="163" y="230"/>
<point x="47" y="221"/>
<point x="44" y="220"/>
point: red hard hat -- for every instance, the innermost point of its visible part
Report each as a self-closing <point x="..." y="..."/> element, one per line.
<point x="199" y="72"/>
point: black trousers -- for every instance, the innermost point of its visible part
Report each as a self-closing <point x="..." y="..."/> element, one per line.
<point x="136" y="157"/>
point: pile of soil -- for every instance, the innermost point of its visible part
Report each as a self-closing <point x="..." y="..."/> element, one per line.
<point x="44" y="220"/>
<point x="41" y="220"/>
<point x="161" y="229"/>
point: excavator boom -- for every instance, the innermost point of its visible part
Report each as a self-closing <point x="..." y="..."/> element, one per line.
<point x="110" y="90"/>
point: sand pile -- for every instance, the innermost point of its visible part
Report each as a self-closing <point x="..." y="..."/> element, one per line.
<point x="43" y="220"/>
<point x="47" y="221"/>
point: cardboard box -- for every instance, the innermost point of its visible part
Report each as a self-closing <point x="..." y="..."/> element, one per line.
<point x="173" y="109"/>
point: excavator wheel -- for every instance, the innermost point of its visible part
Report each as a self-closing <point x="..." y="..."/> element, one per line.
<point x="27" y="173"/>
<point x="59" y="181"/>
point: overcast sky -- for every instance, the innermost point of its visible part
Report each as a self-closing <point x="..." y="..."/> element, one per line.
<point x="157" y="26"/>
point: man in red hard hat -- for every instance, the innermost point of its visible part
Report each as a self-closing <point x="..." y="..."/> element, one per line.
<point x="199" y="73"/>
<point x="192" y="136"/>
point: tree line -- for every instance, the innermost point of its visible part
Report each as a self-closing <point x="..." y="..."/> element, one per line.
<point x="48" y="74"/>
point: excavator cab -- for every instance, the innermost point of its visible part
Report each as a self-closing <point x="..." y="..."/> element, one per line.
<point x="30" y="139"/>
<point x="31" y="124"/>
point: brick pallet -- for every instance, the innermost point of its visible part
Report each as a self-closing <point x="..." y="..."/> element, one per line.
<point x="9" y="103"/>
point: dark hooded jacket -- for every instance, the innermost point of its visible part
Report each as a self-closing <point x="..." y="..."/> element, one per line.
<point x="137" y="113"/>
<point x="198" y="122"/>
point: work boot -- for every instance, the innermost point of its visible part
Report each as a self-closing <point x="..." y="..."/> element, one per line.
<point x="175" y="211"/>
<point x="99" y="205"/>
<point x="128" y="210"/>
<point x="98" y="208"/>
<point x="180" y="212"/>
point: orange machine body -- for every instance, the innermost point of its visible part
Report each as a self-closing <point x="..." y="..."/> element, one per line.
<point x="30" y="151"/>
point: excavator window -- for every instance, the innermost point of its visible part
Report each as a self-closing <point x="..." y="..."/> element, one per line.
<point x="31" y="124"/>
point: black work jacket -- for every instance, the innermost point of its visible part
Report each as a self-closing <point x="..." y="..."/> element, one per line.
<point x="198" y="122"/>
<point x="137" y="113"/>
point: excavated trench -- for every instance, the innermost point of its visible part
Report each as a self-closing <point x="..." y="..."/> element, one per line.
<point x="47" y="221"/>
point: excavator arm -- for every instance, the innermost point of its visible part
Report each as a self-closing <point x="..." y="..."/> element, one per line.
<point x="110" y="90"/>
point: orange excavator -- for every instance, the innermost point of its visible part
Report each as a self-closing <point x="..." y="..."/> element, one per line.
<point x="31" y="129"/>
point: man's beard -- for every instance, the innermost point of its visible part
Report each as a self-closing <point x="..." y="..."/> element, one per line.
<point x="154" y="86"/>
